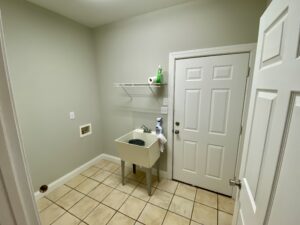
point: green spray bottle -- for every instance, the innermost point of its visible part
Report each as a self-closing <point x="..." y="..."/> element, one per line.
<point x="159" y="75"/>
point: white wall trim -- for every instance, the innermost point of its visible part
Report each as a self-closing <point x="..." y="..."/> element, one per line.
<point x="224" y="50"/>
<point x="13" y="162"/>
<point x="62" y="180"/>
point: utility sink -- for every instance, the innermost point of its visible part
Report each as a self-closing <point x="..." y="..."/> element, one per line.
<point x="144" y="156"/>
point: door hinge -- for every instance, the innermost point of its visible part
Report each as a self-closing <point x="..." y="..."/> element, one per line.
<point x="235" y="182"/>
<point x="241" y="130"/>
<point x="249" y="70"/>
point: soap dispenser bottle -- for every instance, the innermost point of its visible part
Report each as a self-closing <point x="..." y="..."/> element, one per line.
<point x="158" y="128"/>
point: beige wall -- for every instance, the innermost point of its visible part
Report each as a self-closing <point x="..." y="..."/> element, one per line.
<point x="52" y="68"/>
<point x="130" y="50"/>
<point x="58" y="66"/>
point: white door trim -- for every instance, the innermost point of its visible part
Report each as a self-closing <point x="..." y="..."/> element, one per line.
<point x="234" y="49"/>
<point x="13" y="164"/>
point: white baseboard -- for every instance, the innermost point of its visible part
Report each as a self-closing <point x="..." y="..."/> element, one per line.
<point x="62" y="180"/>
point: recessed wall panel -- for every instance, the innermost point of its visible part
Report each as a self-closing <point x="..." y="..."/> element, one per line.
<point x="192" y="109"/>
<point x="222" y="72"/>
<point x="258" y="140"/>
<point x="189" y="155"/>
<point x="220" y="99"/>
<point x="214" y="162"/>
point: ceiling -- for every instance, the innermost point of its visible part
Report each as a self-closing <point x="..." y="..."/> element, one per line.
<point x="95" y="13"/>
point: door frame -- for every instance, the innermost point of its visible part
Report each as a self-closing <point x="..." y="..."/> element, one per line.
<point x="13" y="163"/>
<point x="223" y="50"/>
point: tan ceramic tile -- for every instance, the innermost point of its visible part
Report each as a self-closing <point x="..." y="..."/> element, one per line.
<point x="173" y="219"/>
<point x="67" y="219"/>
<point x="181" y="206"/>
<point x="83" y="207"/>
<point x="43" y="203"/>
<point x="132" y="207"/>
<point x="161" y="199"/>
<point x="86" y="186"/>
<point x="101" y="175"/>
<point x="167" y="185"/>
<point x="70" y="199"/>
<point x="138" y="223"/>
<point x="139" y="176"/>
<point x="58" y="193"/>
<point x="120" y="219"/>
<point x="154" y="182"/>
<point x="100" y="192"/>
<point x="204" y="214"/>
<point x="141" y="192"/>
<point x="129" y="186"/>
<point x="90" y="171"/>
<point x="194" y="223"/>
<point x="186" y="191"/>
<point x="112" y="181"/>
<point x="102" y="163"/>
<point x="225" y="204"/>
<point x="115" y="199"/>
<point x="75" y="181"/>
<point x="50" y="214"/>
<point x="126" y="172"/>
<point x="100" y="216"/>
<point x="112" y="167"/>
<point x="207" y="198"/>
<point x="224" y="218"/>
<point x="152" y="215"/>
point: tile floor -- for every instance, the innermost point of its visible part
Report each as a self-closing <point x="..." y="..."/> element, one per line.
<point x="97" y="197"/>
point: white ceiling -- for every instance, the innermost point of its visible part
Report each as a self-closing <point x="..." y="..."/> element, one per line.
<point x="98" y="12"/>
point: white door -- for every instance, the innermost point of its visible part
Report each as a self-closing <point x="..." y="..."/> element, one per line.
<point x="209" y="97"/>
<point x="270" y="172"/>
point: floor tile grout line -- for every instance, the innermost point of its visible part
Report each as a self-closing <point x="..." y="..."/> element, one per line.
<point x="170" y="204"/>
<point x="107" y="205"/>
<point x="217" y="209"/>
<point x="194" y="201"/>
<point x="139" y="182"/>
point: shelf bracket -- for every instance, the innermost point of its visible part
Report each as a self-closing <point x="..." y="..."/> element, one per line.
<point x="125" y="90"/>
<point x="151" y="90"/>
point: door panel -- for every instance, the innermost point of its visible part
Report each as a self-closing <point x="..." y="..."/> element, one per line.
<point x="219" y="111"/>
<point x="270" y="165"/>
<point x="273" y="39"/>
<point x="209" y="95"/>
<point x="286" y="206"/>
<point x="6" y="214"/>
<point x="192" y="110"/>
<point x="190" y="155"/>
<point x="215" y="161"/>
<point x="222" y="73"/>
<point x="259" y="138"/>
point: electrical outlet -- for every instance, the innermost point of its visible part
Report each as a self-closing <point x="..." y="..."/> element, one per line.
<point x="165" y="101"/>
<point x="72" y="115"/>
<point x="164" y="110"/>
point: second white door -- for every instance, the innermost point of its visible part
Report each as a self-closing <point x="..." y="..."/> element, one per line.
<point x="209" y="98"/>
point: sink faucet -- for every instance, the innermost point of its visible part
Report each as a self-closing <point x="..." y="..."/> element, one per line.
<point x="146" y="129"/>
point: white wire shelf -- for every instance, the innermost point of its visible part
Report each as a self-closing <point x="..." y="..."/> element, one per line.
<point x="138" y="85"/>
<point x="127" y="86"/>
